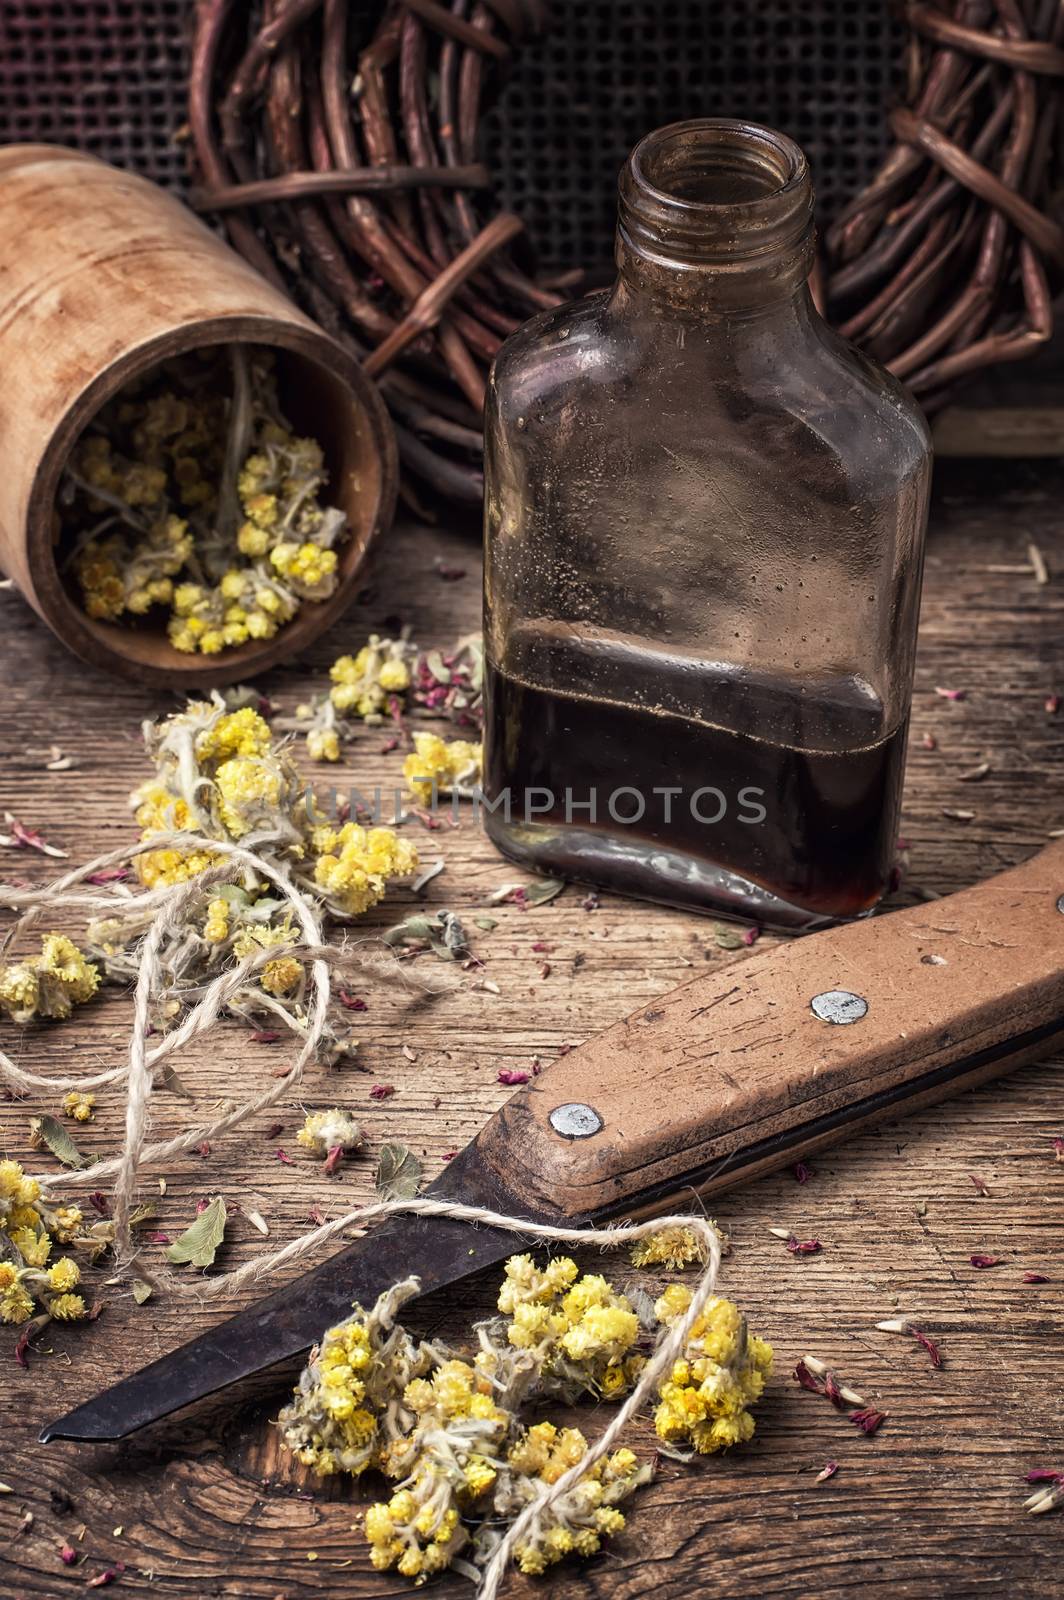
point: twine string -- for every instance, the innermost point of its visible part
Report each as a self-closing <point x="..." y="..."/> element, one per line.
<point x="165" y="909"/>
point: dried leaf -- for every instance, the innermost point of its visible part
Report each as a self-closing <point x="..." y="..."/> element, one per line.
<point x="142" y="1290"/>
<point x="726" y="938"/>
<point x="50" y="1132"/>
<point x="443" y="933"/>
<point x="544" y="890"/>
<point x="199" y="1243"/>
<point x="398" y="1174"/>
<point x="487" y="923"/>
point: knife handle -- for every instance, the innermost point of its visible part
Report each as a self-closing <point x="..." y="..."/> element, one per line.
<point x="732" y="1075"/>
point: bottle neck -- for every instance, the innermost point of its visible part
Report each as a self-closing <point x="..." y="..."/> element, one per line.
<point x="715" y="218"/>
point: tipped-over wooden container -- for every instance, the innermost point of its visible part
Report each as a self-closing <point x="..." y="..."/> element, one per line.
<point x="102" y="276"/>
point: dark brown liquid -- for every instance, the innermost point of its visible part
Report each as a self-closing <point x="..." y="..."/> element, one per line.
<point x="796" y="817"/>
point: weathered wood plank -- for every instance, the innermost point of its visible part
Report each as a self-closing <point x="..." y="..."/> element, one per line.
<point x="931" y="1505"/>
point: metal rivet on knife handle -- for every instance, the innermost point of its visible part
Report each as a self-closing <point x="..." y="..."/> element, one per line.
<point x="575" y="1121"/>
<point x="839" y="1006"/>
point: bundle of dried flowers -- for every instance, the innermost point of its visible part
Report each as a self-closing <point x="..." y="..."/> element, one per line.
<point x="191" y="491"/>
<point x="221" y="775"/>
<point x="452" y="1433"/>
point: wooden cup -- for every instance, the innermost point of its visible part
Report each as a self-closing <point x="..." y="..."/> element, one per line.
<point x="102" y="276"/>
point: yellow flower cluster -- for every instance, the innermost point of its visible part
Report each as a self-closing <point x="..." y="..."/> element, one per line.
<point x="329" y="1130"/>
<point x="356" y="864"/>
<point x="362" y="683"/>
<point x="672" y="1248"/>
<point x="282" y="976"/>
<point x="49" y="985"/>
<point x="577" y="1330"/>
<point x="706" y="1398"/>
<point x="451" y="1459"/>
<point x="28" y="1229"/>
<point x="578" y="1523"/>
<point x="437" y="766"/>
<point x="79" y="1106"/>
<point x="219" y="773"/>
<point x="245" y="604"/>
<point x="248" y="547"/>
<point x="117" y="576"/>
<point x="323" y="744"/>
<point x="348" y="1404"/>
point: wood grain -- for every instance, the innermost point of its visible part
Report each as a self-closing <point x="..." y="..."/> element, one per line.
<point x="932" y="1505"/>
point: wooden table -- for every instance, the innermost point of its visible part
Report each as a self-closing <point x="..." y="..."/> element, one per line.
<point x="932" y="1505"/>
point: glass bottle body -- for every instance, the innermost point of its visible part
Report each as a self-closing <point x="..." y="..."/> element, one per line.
<point x="704" y="526"/>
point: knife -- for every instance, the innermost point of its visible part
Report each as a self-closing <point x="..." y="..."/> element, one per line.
<point x="728" y="1076"/>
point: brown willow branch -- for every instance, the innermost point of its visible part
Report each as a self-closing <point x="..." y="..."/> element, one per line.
<point x="429" y="307"/>
<point x="341" y="180"/>
<point x="1029" y="55"/>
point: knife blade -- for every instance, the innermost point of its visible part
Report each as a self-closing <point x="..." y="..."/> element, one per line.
<point x="728" y="1076"/>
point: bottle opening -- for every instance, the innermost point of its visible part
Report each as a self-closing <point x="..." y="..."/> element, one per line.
<point x="714" y="163"/>
<point x="717" y="194"/>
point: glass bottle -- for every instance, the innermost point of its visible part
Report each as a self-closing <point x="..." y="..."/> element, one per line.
<point x="705" y="516"/>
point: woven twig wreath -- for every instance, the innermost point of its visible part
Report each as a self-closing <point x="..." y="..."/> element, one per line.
<point x="348" y="173"/>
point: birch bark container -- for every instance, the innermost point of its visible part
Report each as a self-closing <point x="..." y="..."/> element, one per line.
<point x="102" y="277"/>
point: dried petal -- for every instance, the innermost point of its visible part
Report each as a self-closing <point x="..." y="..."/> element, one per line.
<point x="333" y="1160"/>
<point x="382" y="1091"/>
<point x="951" y="694"/>
<point x="985" y="1261"/>
<point x="109" y="875"/>
<point x="511" y="1078"/>
<point x="24" y="838"/>
<point x="801" y="1172"/>
<point x="980" y="1182"/>
<point x="828" y="1470"/>
<point x="108" y="1576"/>
<point x="1036" y="1277"/>
<point x="807" y="1379"/>
<point x="899" y="1325"/>
<point x="869" y="1420"/>
<point x="803" y="1247"/>
<point x="352" y="1002"/>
